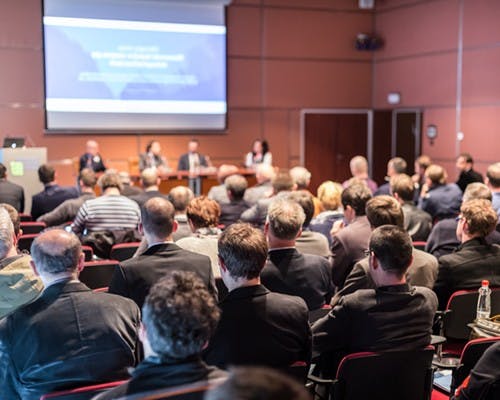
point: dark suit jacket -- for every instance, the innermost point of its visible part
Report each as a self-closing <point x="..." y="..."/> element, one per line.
<point x="474" y="261"/>
<point x="442" y="201"/>
<point x="467" y="177"/>
<point x="142" y="197"/>
<point x="258" y="327"/>
<point x="12" y="194"/>
<point x="184" y="162"/>
<point x="231" y="212"/>
<point x="418" y="223"/>
<point x="50" y="198"/>
<point x="68" y="337"/>
<point x="348" y="247"/>
<point x="94" y="162"/>
<point x="383" y="190"/>
<point x="135" y="276"/>
<point x="66" y="211"/>
<point x="305" y="275"/>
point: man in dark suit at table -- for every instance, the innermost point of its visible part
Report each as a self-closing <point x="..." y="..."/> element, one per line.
<point x="10" y="193"/>
<point x="92" y="159"/>
<point x="135" y="276"/>
<point x="257" y="327"/>
<point x="192" y="160"/>
<point x="52" y="194"/>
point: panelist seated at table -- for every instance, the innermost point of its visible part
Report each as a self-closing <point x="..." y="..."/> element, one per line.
<point x="192" y="160"/>
<point x="260" y="154"/>
<point x="152" y="158"/>
<point x="92" y="159"/>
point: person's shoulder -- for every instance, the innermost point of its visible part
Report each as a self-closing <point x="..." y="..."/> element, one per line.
<point x="286" y="301"/>
<point x="314" y="259"/>
<point x="424" y="256"/>
<point x="429" y="295"/>
<point x="114" y="301"/>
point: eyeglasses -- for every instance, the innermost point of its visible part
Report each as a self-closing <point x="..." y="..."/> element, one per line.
<point x="459" y="217"/>
<point x="368" y="252"/>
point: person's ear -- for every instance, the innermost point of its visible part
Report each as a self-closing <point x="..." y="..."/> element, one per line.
<point x="266" y="227"/>
<point x="299" y="233"/>
<point x="81" y="263"/>
<point x="175" y="226"/>
<point x="142" y="333"/>
<point x="140" y="228"/>
<point x="34" y="268"/>
<point x="222" y="265"/>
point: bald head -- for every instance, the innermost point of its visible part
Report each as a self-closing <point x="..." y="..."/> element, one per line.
<point x="55" y="252"/>
<point x="264" y="173"/>
<point x="149" y="178"/>
<point x="6" y="233"/>
<point x="180" y="196"/>
<point x="157" y="217"/>
<point x="92" y="147"/>
<point x="301" y="177"/>
<point x="226" y="170"/>
<point x="359" y="166"/>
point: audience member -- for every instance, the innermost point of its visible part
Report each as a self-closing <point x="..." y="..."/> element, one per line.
<point x="192" y="160"/>
<point x="150" y="182"/>
<point x="92" y="159"/>
<point x="395" y="167"/>
<point x="359" y="171"/>
<point x="282" y="185"/>
<point x="16" y="221"/>
<point x="264" y="175"/>
<point x="52" y="194"/>
<point x="475" y="259"/>
<point x="219" y="192"/>
<point x="178" y="318"/>
<point x="467" y="175"/>
<point x="127" y="188"/>
<point x="394" y="316"/>
<point x="418" y="178"/>
<point x="135" y="276"/>
<point x="67" y="210"/>
<point x="439" y="199"/>
<point x="260" y="154"/>
<point x="70" y="336"/>
<point x="18" y="284"/>
<point x="493" y="182"/>
<point x="287" y="270"/>
<point x="230" y="213"/>
<point x="10" y="192"/>
<point x="203" y="219"/>
<point x="385" y="210"/>
<point x="350" y="238"/>
<point x="417" y="222"/>
<point x="252" y="383"/>
<point x="308" y="241"/>
<point x="329" y="194"/>
<point x="301" y="178"/>
<point x="153" y="159"/>
<point x="443" y="238"/>
<point x="180" y="197"/>
<point x="257" y="327"/>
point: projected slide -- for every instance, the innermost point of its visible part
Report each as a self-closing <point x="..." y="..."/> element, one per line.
<point x="129" y="75"/>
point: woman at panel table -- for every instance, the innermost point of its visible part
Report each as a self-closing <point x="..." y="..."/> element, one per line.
<point x="260" y="154"/>
<point x="152" y="158"/>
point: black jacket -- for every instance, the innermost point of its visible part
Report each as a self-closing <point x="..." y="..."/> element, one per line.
<point x="467" y="177"/>
<point x="12" y="194"/>
<point x="93" y="162"/>
<point x="50" y="198"/>
<point x="135" y="276"/>
<point x="183" y="164"/>
<point x="68" y="337"/>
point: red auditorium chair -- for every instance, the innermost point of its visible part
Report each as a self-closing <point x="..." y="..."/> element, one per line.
<point x="124" y="251"/>
<point x="88" y="252"/>
<point x="32" y="227"/>
<point x="97" y="274"/>
<point x="25" y="217"/>
<point x="81" y="393"/>
<point x="24" y="242"/>
<point x="419" y="245"/>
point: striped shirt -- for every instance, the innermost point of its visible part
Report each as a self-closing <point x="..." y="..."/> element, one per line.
<point x="107" y="213"/>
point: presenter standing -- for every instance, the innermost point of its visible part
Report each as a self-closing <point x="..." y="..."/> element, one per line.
<point x="260" y="154"/>
<point x="152" y="158"/>
<point x="193" y="161"/>
<point x="92" y="159"/>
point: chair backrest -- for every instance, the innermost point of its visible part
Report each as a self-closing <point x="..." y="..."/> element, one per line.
<point x="32" y="227"/>
<point x="419" y="245"/>
<point x="97" y="274"/>
<point x="462" y="311"/>
<point x="124" y="251"/>
<point x="81" y="393"/>
<point x="88" y="252"/>
<point x="25" y="217"/>
<point x="298" y="371"/>
<point x="388" y="375"/>
<point x="24" y="241"/>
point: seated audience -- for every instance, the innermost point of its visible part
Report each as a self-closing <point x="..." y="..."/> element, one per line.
<point x="493" y="182"/>
<point x="251" y="383"/>
<point x="150" y="182"/>
<point x="52" y="194"/>
<point x="359" y="171"/>
<point x="260" y="154"/>
<point x="10" y="192"/>
<point x="301" y="178"/>
<point x="417" y="222"/>
<point x="474" y="259"/>
<point x="264" y="175"/>
<point x="418" y="178"/>
<point x="231" y="212"/>
<point x="483" y="376"/>
<point x="308" y="241"/>
<point x="350" y="238"/>
<point x="392" y="317"/>
<point x="178" y="318"/>
<point x="287" y="270"/>
<point x="203" y="219"/>
<point x="329" y="195"/>
<point x="75" y="337"/>
<point x="128" y="189"/>
<point x="257" y="327"/>
<point x="282" y="186"/>
<point x="192" y="160"/>
<point x="153" y="159"/>
<point x="439" y="199"/>
<point x="67" y="210"/>
<point x="467" y="175"/>
<point x="385" y="210"/>
<point x="219" y="192"/>
<point x="18" y="284"/>
<point x="92" y="159"/>
<point x="443" y="237"/>
<point x="135" y="276"/>
<point x="180" y="197"/>
<point x="395" y="167"/>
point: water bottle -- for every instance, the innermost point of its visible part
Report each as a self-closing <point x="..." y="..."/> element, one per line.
<point x="484" y="301"/>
